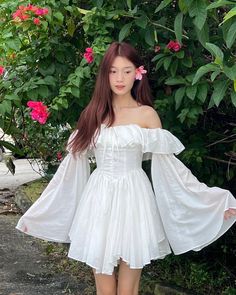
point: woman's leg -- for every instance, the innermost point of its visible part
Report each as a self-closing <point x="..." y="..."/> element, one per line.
<point x="105" y="284"/>
<point x="128" y="279"/>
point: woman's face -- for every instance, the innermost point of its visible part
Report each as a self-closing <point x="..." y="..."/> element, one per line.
<point x="121" y="76"/>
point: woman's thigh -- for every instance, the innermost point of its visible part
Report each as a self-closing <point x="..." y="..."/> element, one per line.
<point x="128" y="279"/>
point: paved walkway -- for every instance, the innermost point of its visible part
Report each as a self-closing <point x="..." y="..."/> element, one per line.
<point x="24" y="265"/>
<point x="23" y="173"/>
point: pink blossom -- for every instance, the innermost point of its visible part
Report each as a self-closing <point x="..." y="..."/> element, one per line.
<point x="37" y="21"/>
<point x="88" y="55"/>
<point x="139" y="72"/>
<point x="59" y="156"/>
<point x="157" y="48"/>
<point x="39" y="111"/>
<point x="174" y="45"/>
<point x="41" y="11"/>
<point x="2" y="69"/>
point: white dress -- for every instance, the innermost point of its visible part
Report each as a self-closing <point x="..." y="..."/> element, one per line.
<point x="115" y="212"/>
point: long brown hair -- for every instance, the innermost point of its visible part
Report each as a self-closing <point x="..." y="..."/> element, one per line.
<point x="100" y="106"/>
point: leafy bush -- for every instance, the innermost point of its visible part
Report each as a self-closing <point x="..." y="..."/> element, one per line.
<point x="188" y="47"/>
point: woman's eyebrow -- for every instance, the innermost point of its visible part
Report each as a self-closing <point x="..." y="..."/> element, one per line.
<point x="129" y="67"/>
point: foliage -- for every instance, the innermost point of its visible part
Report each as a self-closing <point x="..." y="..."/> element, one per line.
<point x="188" y="48"/>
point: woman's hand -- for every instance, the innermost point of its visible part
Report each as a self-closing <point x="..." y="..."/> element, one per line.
<point x="229" y="213"/>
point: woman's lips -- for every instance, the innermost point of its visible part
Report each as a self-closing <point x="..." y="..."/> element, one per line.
<point x="119" y="87"/>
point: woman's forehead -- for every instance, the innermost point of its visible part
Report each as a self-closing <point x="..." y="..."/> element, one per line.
<point x="122" y="62"/>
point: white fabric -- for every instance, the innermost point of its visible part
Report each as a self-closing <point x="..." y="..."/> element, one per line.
<point x="114" y="212"/>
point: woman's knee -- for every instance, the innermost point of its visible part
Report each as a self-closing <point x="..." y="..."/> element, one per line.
<point x="105" y="284"/>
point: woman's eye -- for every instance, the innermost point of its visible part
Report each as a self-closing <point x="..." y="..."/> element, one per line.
<point x="128" y="72"/>
<point x="112" y="72"/>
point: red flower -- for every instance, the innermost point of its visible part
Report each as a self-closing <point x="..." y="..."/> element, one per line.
<point x="89" y="55"/>
<point x="59" y="156"/>
<point x="37" y="21"/>
<point x="39" y="112"/>
<point x="174" y="46"/>
<point x="2" y="69"/>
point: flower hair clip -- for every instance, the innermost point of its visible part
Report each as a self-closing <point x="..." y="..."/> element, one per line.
<point x="139" y="72"/>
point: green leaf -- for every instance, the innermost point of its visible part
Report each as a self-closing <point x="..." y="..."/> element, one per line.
<point x="202" y="91"/>
<point x="235" y="85"/>
<point x="173" y="68"/>
<point x="12" y="96"/>
<point x="198" y="10"/>
<point x="180" y="54"/>
<point x="203" y="34"/>
<point x="187" y="62"/>
<point x="167" y="62"/>
<point x="141" y="21"/>
<point x="219" y="3"/>
<point x="159" y="64"/>
<point x="43" y="91"/>
<point x="162" y="5"/>
<point x="75" y="91"/>
<point x="71" y="26"/>
<point x="158" y="56"/>
<point x="230" y="72"/>
<point x="215" y="51"/>
<point x="175" y="81"/>
<point x="178" y="26"/>
<point x="203" y="70"/>
<point x="233" y="98"/>
<point x="83" y="11"/>
<point x="150" y="36"/>
<point x="14" y="44"/>
<point x="231" y="35"/>
<point x="50" y="80"/>
<point x="124" y="32"/>
<point x="179" y="94"/>
<point x="215" y="74"/>
<point x="191" y="91"/>
<point x="184" y="5"/>
<point x="11" y="147"/>
<point x="129" y="4"/>
<point x="59" y="16"/>
<point x="220" y="88"/>
<point x="230" y="14"/>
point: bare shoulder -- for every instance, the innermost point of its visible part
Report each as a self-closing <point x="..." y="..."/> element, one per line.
<point x="150" y="117"/>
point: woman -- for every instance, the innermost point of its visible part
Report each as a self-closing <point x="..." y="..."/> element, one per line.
<point x="114" y="216"/>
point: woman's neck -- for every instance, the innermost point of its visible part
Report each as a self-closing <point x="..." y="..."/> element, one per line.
<point x="120" y="102"/>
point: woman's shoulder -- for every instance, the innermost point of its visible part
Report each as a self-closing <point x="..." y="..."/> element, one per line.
<point x="150" y="117"/>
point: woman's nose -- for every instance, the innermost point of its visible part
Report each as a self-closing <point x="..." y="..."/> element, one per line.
<point x="119" y="76"/>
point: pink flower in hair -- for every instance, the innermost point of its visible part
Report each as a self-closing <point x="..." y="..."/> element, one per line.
<point x="139" y="72"/>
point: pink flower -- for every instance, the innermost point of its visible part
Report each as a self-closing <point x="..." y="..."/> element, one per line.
<point x="2" y="69"/>
<point x="37" y="21"/>
<point x="157" y="48"/>
<point x="41" y="11"/>
<point x="174" y="45"/>
<point x="59" y="156"/>
<point x="88" y="55"/>
<point x="31" y="7"/>
<point x="139" y="72"/>
<point x="39" y="112"/>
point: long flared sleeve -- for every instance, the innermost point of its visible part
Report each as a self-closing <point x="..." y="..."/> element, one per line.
<point x="51" y="216"/>
<point x="192" y="213"/>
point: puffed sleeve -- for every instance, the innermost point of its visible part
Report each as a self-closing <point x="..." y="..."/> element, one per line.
<point x="51" y="216"/>
<point x="192" y="213"/>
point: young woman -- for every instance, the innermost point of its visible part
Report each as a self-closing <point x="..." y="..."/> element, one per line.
<point x="113" y="215"/>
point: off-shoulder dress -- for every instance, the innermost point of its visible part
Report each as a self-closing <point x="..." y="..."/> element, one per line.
<point x="116" y="212"/>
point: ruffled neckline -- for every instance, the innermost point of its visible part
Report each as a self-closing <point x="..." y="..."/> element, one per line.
<point x="127" y="125"/>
